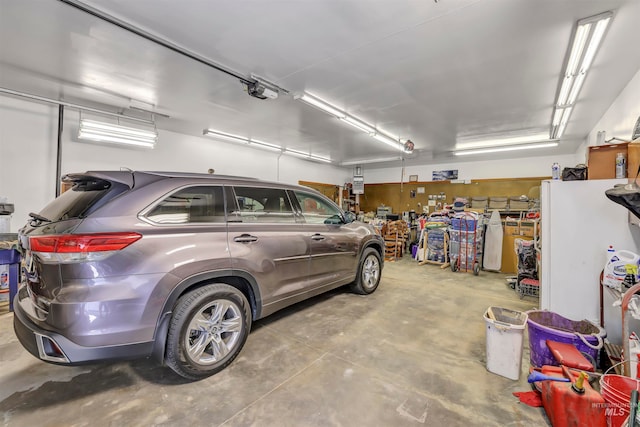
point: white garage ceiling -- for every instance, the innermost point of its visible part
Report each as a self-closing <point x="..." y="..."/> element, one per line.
<point x="420" y="69"/>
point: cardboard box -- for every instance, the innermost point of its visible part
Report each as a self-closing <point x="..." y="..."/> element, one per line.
<point x="511" y="226"/>
<point x="527" y="228"/>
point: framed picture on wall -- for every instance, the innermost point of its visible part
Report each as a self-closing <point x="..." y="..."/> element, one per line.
<point x="413" y="178"/>
<point x="445" y="175"/>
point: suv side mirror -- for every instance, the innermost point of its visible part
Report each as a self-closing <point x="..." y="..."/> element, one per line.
<point x="349" y="217"/>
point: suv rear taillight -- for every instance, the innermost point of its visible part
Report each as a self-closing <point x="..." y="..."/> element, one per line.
<point x="69" y="248"/>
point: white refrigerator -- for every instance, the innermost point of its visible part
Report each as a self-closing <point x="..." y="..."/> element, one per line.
<point x="578" y="224"/>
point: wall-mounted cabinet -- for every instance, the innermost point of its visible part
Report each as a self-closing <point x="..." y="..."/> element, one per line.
<point x="602" y="159"/>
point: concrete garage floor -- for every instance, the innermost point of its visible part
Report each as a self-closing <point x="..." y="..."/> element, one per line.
<point x="411" y="354"/>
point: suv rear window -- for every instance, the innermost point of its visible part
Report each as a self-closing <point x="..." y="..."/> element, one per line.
<point x="80" y="199"/>
<point x="192" y="204"/>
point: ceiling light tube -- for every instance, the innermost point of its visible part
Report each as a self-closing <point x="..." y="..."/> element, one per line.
<point x="116" y="139"/>
<point x="322" y="105"/>
<point x="557" y="115"/>
<point x="296" y="152"/>
<point x="563" y="123"/>
<point x="564" y="90"/>
<point x="112" y="133"/>
<point x="392" y="142"/>
<point x="508" y="148"/>
<point x="307" y="156"/>
<point x="579" y="42"/>
<point x="226" y="136"/>
<point x="368" y="161"/>
<point x="501" y="141"/>
<point x="575" y="89"/>
<point x="265" y="145"/>
<point x="320" y="158"/>
<point x="594" y="43"/>
<point x="104" y="136"/>
<point x="358" y="124"/>
<point x="91" y="125"/>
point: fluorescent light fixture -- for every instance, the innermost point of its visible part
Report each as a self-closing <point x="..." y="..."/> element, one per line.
<point x="499" y="141"/>
<point x="296" y="152"/>
<point x="586" y="41"/>
<point x="392" y="142"/>
<point x="265" y="145"/>
<point x="368" y="161"/>
<point x="226" y="136"/>
<point x="351" y="120"/>
<point x="306" y="156"/>
<point x="320" y="158"/>
<point x="358" y="124"/>
<point x="507" y="148"/>
<point x="322" y="105"/>
<point x="111" y="133"/>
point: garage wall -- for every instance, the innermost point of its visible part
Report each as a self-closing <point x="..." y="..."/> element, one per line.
<point x="28" y="135"/>
<point x="619" y="119"/>
<point x="27" y="156"/>
<point x="512" y="168"/>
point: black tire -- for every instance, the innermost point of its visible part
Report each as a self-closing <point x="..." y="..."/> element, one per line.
<point x="369" y="272"/>
<point x="476" y="269"/>
<point x="208" y="329"/>
<point x="454" y="265"/>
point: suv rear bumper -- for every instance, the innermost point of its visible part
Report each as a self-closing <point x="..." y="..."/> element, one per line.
<point x="54" y="348"/>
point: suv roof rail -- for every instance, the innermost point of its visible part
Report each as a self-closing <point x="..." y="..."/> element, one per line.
<point x="197" y="175"/>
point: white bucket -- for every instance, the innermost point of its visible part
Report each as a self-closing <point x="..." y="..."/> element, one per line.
<point x="505" y="333"/>
<point x="5" y="224"/>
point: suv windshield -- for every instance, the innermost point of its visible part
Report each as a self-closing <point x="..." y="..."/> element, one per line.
<point x="79" y="199"/>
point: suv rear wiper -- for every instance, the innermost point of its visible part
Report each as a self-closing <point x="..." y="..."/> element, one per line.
<point x="38" y="217"/>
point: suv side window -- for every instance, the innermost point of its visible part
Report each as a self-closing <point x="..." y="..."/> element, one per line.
<point x="261" y="205"/>
<point x="316" y="210"/>
<point x="198" y="204"/>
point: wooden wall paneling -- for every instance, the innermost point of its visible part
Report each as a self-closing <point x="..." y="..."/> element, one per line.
<point x="398" y="196"/>
<point x="332" y="191"/>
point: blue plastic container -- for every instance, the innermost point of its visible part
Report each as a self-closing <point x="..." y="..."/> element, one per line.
<point x="11" y="257"/>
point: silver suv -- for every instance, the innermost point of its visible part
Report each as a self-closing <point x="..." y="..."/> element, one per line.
<point x="177" y="266"/>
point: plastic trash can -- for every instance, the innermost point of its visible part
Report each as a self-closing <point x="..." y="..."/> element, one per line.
<point x="505" y="334"/>
<point x="10" y="263"/>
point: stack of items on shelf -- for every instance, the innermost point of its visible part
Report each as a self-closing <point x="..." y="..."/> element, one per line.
<point x="395" y="235"/>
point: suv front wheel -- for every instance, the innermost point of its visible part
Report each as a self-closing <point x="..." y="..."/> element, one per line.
<point x="209" y="328"/>
<point x="369" y="272"/>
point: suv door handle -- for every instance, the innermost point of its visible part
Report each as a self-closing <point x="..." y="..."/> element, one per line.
<point x="317" y="237"/>
<point x="245" y="238"/>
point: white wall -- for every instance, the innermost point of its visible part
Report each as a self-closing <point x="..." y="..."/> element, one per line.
<point x="619" y="119"/>
<point x="28" y="139"/>
<point x="512" y="168"/>
<point x="27" y="156"/>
